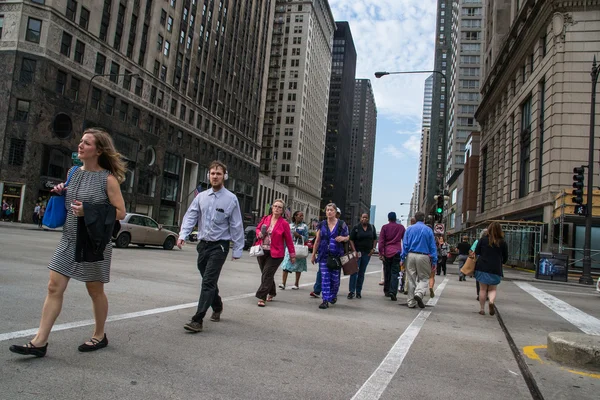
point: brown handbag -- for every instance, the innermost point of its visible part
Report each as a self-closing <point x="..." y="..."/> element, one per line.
<point x="469" y="267"/>
<point x="349" y="263"/>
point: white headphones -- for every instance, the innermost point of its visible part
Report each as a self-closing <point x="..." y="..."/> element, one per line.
<point x="225" y="177"/>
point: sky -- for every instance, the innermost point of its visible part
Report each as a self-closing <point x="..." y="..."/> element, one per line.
<point x="393" y="35"/>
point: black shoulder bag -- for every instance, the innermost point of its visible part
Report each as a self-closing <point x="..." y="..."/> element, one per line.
<point x="333" y="262"/>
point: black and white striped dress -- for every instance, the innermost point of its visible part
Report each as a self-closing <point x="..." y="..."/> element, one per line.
<point x="87" y="187"/>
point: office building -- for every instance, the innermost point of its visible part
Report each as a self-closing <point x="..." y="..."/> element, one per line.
<point x="299" y="70"/>
<point x="176" y="83"/>
<point x="338" y="141"/>
<point x="423" y="176"/>
<point x="362" y="152"/>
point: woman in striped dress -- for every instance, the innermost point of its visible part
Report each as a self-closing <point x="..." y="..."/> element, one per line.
<point x="96" y="182"/>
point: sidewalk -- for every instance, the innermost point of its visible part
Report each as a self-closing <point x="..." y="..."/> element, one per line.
<point x="26" y="226"/>
<point x="522" y="274"/>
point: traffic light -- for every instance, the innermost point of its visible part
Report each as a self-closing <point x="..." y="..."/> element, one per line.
<point x="578" y="179"/>
<point x="439" y="208"/>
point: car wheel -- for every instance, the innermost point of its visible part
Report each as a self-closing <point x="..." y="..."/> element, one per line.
<point x="123" y="240"/>
<point x="169" y="243"/>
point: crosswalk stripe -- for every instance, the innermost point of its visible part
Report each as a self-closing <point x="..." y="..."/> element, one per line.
<point x="585" y="322"/>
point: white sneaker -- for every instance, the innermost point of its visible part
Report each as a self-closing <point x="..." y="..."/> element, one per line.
<point x="295" y="287"/>
<point x="281" y="286"/>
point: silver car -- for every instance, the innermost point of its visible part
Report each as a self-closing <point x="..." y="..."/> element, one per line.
<point x="142" y="230"/>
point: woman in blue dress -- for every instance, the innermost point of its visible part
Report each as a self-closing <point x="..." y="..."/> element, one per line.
<point x="331" y="235"/>
<point x="300" y="234"/>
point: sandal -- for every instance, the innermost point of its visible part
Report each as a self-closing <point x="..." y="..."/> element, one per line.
<point x="270" y="298"/>
<point x="492" y="308"/>
<point x="261" y="303"/>
<point x="96" y="344"/>
<point x="481" y="312"/>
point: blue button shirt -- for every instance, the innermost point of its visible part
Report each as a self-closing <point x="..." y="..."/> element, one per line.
<point x="419" y="239"/>
<point x="218" y="217"/>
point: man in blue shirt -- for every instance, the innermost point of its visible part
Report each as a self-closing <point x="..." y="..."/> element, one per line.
<point x="420" y="255"/>
<point x="216" y="211"/>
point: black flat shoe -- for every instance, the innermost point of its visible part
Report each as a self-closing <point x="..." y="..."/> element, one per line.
<point x="351" y="295"/>
<point x="358" y="296"/>
<point x="29" y="350"/>
<point x="324" y="305"/>
<point x="334" y="300"/>
<point x="96" y="345"/>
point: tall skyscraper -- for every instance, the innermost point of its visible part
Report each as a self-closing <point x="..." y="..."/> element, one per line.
<point x="463" y="93"/>
<point x="435" y="163"/>
<point x="177" y="84"/>
<point x="339" y="121"/>
<point x="293" y="140"/>
<point x="362" y="151"/>
<point x="424" y="156"/>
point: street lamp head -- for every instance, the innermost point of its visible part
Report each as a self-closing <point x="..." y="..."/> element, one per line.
<point x="379" y="74"/>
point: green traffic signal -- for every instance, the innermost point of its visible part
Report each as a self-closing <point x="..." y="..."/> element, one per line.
<point x="439" y="210"/>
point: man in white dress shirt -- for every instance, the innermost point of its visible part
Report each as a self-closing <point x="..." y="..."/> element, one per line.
<point x="216" y="211"/>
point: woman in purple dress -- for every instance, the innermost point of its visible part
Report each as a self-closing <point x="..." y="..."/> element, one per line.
<point x="331" y="234"/>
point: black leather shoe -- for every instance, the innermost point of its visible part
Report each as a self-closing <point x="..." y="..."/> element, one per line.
<point x="216" y="316"/>
<point x="393" y="297"/>
<point x="419" y="301"/>
<point x="193" y="326"/>
<point x="351" y="295"/>
<point x="96" y="345"/>
<point x="358" y="296"/>
<point x="29" y="350"/>
<point x="334" y="300"/>
<point x="324" y="305"/>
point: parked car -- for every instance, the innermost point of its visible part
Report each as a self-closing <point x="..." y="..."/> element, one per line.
<point x="142" y="230"/>
<point x="310" y="243"/>
<point x="249" y="236"/>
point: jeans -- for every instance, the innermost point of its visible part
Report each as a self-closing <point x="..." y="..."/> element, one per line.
<point x="317" y="285"/>
<point x="211" y="257"/>
<point x="462" y="258"/>
<point x="391" y="266"/>
<point x="268" y="267"/>
<point x="357" y="279"/>
<point x="441" y="265"/>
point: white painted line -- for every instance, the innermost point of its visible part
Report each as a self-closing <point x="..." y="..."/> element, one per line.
<point x="585" y="322"/>
<point x="374" y="387"/>
<point x="573" y="293"/>
<point x="137" y="314"/>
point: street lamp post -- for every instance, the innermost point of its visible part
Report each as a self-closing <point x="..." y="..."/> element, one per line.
<point x="380" y="74"/>
<point x="586" y="276"/>
<point x="87" y="98"/>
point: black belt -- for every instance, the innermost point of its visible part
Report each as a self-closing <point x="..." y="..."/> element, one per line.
<point x="215" y="242"/>
<point x="416" y="252"/>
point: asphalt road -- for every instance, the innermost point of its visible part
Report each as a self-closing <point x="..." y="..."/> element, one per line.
<point x="363" y="349"/>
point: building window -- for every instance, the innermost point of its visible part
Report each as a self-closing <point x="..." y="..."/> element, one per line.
<point x="173" y="106"/>
<point x="84" y="18"/>
<point x="159" y="42"/>
<point x="135" y="117"/>
<point x="182" y="112"/>
<point x="65" y="44"/>
<point x="114" y="72"/>
<point x="105" y="20"/>
<point x="484" y="172"/>
<point x="100" y="63"/>
<point x="167" y="48"/>
<point x="119" y="29"/>
<point x="79" y="51"/>
<point x="61" y="82"/>
<point x="127" y="80"/>
<point x="139" y="85"/>
<point x="22" y="110"/>
<point x="71" y="10"/>
<point x="34" y="29"/>
<point x="74" y="88"/>
<point x="542" y="103"/>
<point x="163" y="73"/>
<point x="109" y="106"/>
<point x="159" y="100"/>
<point x="27" y="71"/>
<point x="525" y="148"/>
<point x="153" y="94"/>
<point x="96" y="96"/>
<point x="163" y="17"/>
<point x="123" y="111"/>
<point x="170" y="24"/>
<point x="16" y="154"/>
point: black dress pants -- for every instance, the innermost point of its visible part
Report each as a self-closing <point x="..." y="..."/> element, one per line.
<point x="211" y="257"/>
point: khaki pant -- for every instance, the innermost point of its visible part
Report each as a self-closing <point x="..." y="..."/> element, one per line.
<point x="418" y="268"/>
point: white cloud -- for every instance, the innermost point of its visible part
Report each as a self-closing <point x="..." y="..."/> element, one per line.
<point x="413" y="145"/>
<point x="394" y="152"/>
<point x="392" y="35"/>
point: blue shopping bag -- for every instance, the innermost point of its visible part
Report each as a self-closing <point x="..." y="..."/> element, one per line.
<point x="56" y="211"/>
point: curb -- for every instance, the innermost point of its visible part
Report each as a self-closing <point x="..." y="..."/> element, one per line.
<point x="578" y="349"/>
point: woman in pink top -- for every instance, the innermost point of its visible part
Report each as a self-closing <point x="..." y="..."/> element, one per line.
<point x="273" y="233"/>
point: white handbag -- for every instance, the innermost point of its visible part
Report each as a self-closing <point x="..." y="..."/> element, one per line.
<point x="256" y="251"/>
<point x="301" y="250"/>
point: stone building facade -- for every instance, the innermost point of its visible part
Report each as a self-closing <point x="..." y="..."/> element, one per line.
<point x="187" y="85"/>
<point x="535" y="108"/>
<point x="297" y="97"/>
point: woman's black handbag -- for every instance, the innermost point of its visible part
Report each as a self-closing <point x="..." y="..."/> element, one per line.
<point x="334" y="263"/>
